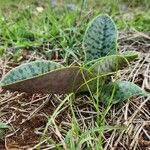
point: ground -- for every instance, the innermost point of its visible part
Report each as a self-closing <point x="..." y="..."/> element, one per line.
<point x="45" y="30"/>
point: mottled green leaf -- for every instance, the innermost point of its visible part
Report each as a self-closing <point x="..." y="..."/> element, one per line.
<point x="122" y="90"/>
<point x="100" y="38"/>
<point x="108" y="64"/>
<point x="29" y="70"/>
<point x="45" y="79"/>
<point x="112" y="63"/>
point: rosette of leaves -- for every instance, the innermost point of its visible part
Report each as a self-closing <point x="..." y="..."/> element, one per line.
<point x="101" y="59"/>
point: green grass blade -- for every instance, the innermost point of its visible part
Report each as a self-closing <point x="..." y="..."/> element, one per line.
<point x="130" y="55"/>
<point x="3" y="125"/>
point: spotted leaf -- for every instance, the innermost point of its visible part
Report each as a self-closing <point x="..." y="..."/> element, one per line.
<point x="112" y="63"/>
<point x="108" y="64"/>
<point x="29" y="70"/>
<point x="122" y="90"/>
<point x="100" y="38"/>
<point x="45" y="77"/>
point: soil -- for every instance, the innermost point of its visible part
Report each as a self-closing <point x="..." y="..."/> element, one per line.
<point x="26" y="132"/>
<point x="28" y="114"/>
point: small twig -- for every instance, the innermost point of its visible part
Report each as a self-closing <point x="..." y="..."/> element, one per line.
<point x="34" y="101"/>
<point x="141" y="34"/>
<point x="146" y="77"/>
<point x="37" y="109"/>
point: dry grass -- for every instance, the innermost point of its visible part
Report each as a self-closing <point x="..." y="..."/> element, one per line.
<point x="28" y="114"/>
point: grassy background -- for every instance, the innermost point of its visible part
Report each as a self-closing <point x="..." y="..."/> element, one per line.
<point x="22" y="26"/>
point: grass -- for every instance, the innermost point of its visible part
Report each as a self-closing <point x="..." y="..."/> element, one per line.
<point x="71" y="122"/>
<point x="2" y="126"/>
